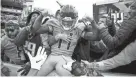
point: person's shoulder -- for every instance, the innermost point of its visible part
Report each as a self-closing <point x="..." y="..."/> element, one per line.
<point x="4" y="40"/>
<point x="53" y="22"/>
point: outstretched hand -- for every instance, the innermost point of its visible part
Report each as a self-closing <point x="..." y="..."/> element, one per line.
<point x="38" y="60"/>
<point x="87" y="20"/>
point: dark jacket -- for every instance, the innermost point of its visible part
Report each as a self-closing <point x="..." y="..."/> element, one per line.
<point x="124" y="36"/>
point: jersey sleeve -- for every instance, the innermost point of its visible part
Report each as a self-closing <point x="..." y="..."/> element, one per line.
<point x="22" y="36"/>
<point x="52" y="23"/>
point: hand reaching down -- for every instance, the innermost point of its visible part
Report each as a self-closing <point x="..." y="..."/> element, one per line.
<point x="38" y="60"/>
<point x="25" y="69"/>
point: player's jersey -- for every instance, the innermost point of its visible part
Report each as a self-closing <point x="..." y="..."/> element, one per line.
<point x="29" y="42"/>
<point x="62" y="47"/>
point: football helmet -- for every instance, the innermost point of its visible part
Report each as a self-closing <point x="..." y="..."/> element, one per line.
<point x="68" y="17"/>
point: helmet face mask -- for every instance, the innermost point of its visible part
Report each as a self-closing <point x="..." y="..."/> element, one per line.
<point x="68" y="23"/>
<point x="68" y="17"/>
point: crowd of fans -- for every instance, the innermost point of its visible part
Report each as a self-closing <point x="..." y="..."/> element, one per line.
<point x="45" y="45"/>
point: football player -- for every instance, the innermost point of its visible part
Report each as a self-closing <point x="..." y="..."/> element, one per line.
<point x="29" y="39"/>
<point x="66" y="31"/>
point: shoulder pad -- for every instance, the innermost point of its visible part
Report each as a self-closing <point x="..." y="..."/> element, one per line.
<point x="53" y="22"/>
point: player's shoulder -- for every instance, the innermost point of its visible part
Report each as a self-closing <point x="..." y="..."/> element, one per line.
<point x="53" y="22"/>
<point x="80" y="26"/>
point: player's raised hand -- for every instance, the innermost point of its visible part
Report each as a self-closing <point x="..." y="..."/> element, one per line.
<point x="38" y="60"/>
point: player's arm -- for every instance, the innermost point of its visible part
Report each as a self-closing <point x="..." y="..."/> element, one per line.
<point x="52" y="40"/>
<point x="21" y="36"/>
<point x="44" y="29"/>
<point x="38" y="22"/>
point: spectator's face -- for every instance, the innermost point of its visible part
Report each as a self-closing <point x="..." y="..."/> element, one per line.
<point x="102" y="20"/>
<point x="12" y="31"/>
<point x="132" y="10"/>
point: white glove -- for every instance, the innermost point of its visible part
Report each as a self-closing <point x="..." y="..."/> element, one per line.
<point x="38" y="60"/>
